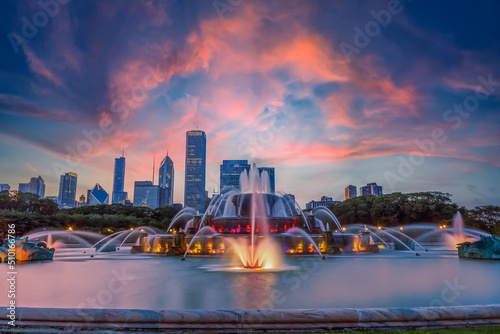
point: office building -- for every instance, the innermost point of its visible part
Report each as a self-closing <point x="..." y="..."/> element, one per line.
<point x="67" y="190"/>
<point x="270" y="173"/>
<point x="4" y="186"/>
<point x="119" y="195"/>
<point x="37" y="186"/>
<point x="196" y="156"/>
<point x="23" y="187"/>
<point x="82" y="201"/>
<point x="371" y="189"/>
<point x="323" y="201"/>
<point x="350" y="192"/>
<point x="230" y="172"/>
<point x="166" y="182"/>
<point x="52" y="198"/>
<point x="146" y="194"/>
<point x="98" y="195"/>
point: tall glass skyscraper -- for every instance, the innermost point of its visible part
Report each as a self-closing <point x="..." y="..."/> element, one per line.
<point x="67" y="190"/>
<point x="196" y="156"/>
<point x="166" y="182"/>
<point x="37" y="186"/>
<point x="4" y="186"/>
<point x="230" y="172"/>
<point x="119" y="195"/>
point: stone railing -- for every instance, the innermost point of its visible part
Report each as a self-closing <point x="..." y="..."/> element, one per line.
<point x="258" y="320"/>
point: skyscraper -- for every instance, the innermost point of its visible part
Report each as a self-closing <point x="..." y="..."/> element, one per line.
<point x="196" y="156"/>
<point x="230" y="172"/>
<point x="4" y="186"/>
<point x="350" y="192"/>
<point x="37" y="186"/>
<point x="146" y="194"/>
<point x="119" y="195"/>
<point x="270" y="172"/>
<point x="23" y="187"/>
<point x="166" y="182"/>
<point x="371" y="189"/>
<point x="67" y="190"/>
<point x="98" y="195"/>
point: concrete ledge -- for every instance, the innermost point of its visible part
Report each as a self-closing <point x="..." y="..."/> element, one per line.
<point x="249" y="320"/>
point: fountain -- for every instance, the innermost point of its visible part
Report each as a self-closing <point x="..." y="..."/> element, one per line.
<point x="254" y="225"/>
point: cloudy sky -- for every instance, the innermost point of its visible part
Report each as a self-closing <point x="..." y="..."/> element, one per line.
<point x="330" y="93"/>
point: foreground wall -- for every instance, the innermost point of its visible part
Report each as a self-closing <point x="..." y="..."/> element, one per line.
<point x="249" y="320"/>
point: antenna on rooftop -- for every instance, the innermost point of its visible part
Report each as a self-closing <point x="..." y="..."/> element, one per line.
<point x="154" y="158"/>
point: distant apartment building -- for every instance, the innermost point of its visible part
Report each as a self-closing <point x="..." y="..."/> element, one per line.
<point x="350" y="192"/>
<point x="323" y="201"/>
<point x="371" y="189"/>
<point x="4" y="186"/>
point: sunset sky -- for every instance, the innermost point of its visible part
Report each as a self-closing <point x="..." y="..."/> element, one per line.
<point x="287" y="84"/>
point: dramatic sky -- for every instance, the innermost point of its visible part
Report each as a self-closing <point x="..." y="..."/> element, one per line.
<point x="316" y="89"/>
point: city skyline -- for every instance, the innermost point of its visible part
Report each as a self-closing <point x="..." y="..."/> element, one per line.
<point x="414" y="107"/>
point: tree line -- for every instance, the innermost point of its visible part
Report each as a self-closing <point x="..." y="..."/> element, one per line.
<point x="421" y="207"/>
<point x="29" y="212"/>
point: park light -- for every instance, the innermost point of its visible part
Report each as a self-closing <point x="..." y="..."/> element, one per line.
<point x="401" y="228"/>
<point x="380" y="227"/>
<point x="343" y="228"/>
<point x="70" y="228"/>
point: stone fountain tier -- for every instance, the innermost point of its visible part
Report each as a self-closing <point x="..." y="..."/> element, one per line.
<point x="485" y="248"/>
<point x="292" y="244"/>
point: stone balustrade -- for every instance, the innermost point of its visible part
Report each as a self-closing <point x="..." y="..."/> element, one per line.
<point x="249" y="320"/>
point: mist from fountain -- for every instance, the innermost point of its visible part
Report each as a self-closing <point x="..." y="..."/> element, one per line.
<point x="452" y="239"/>
<point x="324" y="214"/>
<point x="377" y="230"/>
<point x="406" y="236"/>
<point x="114" y="239"/>
<point x="56" y="238"/>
